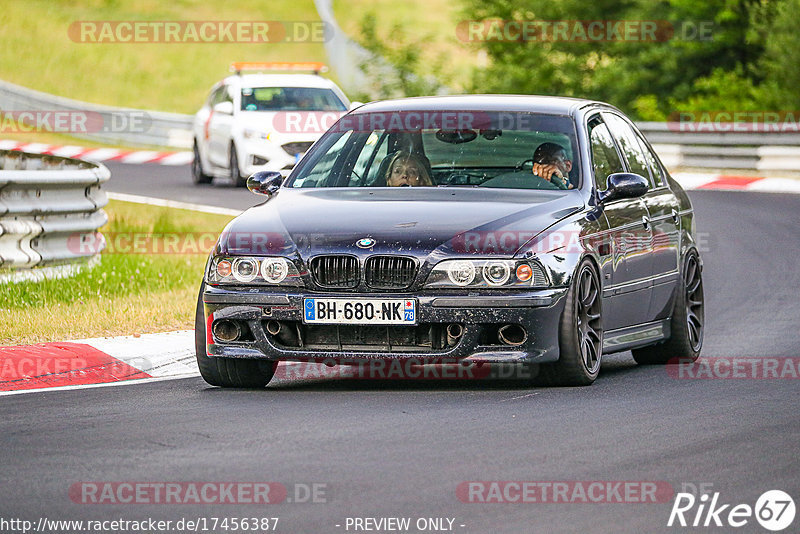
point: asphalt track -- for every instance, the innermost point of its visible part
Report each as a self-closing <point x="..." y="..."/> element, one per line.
<point x="400" y="448"/>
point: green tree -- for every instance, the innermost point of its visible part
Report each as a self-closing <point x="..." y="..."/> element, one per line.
<point x="723" y="67"/>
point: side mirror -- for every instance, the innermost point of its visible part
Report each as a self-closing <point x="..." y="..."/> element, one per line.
<point x="265" y="183"/>
<point x="624" y="185"/>
<point x="226" y="107"/>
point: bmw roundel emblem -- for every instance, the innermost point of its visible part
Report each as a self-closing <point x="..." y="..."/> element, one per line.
<point x="366" y="242"/>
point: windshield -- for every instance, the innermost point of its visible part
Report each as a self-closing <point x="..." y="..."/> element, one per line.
<point x="290" y="99"/>
<point x="434" y="149"/>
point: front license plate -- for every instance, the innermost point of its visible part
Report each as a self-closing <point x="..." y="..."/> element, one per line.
<point x="360" y="311"/>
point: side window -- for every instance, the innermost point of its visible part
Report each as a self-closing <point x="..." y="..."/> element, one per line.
<point x="215" y="96"/>
<point x="655" y="168"/>
<point x="605" y="160"/>
<point x="629" y="144"/>
<point x="323" y="170"/>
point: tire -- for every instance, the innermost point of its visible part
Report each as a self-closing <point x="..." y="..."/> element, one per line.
<point x="686" y="325"/>
<point x="227" y="372"/>
<point x="236" y="176"/>
<point x="580" y="333"/>
<point x="199" y="177"/>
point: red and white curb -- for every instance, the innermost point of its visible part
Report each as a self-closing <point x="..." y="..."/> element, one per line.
<point x="724" y="182"/>
<point x="97" y="361"/>
<point x="101" y="154"/>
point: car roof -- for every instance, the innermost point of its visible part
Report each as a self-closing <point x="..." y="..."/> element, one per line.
<point x="279" y="80"/>
<point x="527" y="103"/>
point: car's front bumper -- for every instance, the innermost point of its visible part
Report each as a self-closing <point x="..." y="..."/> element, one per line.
<point x="539" y="312"/>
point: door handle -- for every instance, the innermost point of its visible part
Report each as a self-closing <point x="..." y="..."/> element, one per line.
<point x="675" y="215"/>
<point x="646" y="222"/>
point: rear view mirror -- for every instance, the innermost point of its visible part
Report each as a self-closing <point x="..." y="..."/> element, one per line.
<point x="624" y="185"/>
<point x="265" y="183"/>
<point x="456" y="137"/>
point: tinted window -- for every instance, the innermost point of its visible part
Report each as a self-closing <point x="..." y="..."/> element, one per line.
<point x="605" y="160"/>
<point x="629" y="144"/>
<point x="217" y="95"/>
<point x="483" y="149"/>
<point x="290" y="99"/>
<point x="655" y="168"/>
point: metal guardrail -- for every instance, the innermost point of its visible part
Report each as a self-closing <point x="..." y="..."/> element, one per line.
<point x="50" y="210"/>
<point x="120" y="126"/>
<point x="725" y="146"/>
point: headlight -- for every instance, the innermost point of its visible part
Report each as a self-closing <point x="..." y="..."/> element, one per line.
<point x="255" y="134"/>
<point x="488" y="273"/>
<point x="461" y="273"/>
<point x="274" y="270"/>
<point x="253" y="270"/>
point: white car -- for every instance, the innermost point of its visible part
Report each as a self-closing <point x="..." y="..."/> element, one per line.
<point x="240" y="129"/>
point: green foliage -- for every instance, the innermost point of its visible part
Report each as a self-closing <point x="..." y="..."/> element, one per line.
<point x="713" y="55"/>
<point x="396" y="68"/>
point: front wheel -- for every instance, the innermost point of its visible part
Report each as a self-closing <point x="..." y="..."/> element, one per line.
<point x="688" y="318"/>
<point x="580" y="333"/>
<point x="236" y="175"/>
<point x="198" y="175"/>
<point x="227" y="372"/>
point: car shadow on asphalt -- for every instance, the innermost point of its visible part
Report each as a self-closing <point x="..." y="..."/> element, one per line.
<point x="432" y="378"/>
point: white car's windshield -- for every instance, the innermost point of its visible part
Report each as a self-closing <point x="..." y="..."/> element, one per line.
<point x="290" y="99"/>
<point x="477" y="149"/>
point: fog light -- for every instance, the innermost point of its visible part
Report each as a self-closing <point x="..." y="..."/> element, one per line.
<point x="226" y="330"/>
<point x="461" y="273"/>
<point x="496" y="273"/>
<point x="245" y="269"/>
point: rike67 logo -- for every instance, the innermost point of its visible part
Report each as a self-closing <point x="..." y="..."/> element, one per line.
<point x="774" y="510"/>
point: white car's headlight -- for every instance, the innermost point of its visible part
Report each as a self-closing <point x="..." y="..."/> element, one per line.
<point x="253" y="270"/>
<point x="255" y="134"/>
<point x="488" y="273"/>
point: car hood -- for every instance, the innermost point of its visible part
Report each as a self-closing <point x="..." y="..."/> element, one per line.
<point x="418" y="222"/>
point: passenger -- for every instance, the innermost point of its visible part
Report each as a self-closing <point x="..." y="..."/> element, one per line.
<point x="407" y="170"/>
<point x="550" y="160"/>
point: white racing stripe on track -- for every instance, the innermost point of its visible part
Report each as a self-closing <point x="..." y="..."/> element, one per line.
<point x="173" y="204"/>
<point x="776" y="185"/>
<point x="92" y="386"/>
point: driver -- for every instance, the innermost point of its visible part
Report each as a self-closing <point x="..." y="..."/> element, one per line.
<point x="550" y="162"/>
<point x="406" y="170"/>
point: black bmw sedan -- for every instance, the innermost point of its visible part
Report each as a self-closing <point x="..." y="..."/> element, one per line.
<point x="537" y="231"/>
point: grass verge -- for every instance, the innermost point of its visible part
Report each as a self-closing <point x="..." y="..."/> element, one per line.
<point x="127" y="293"/>
<point x="38" y="52"/>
